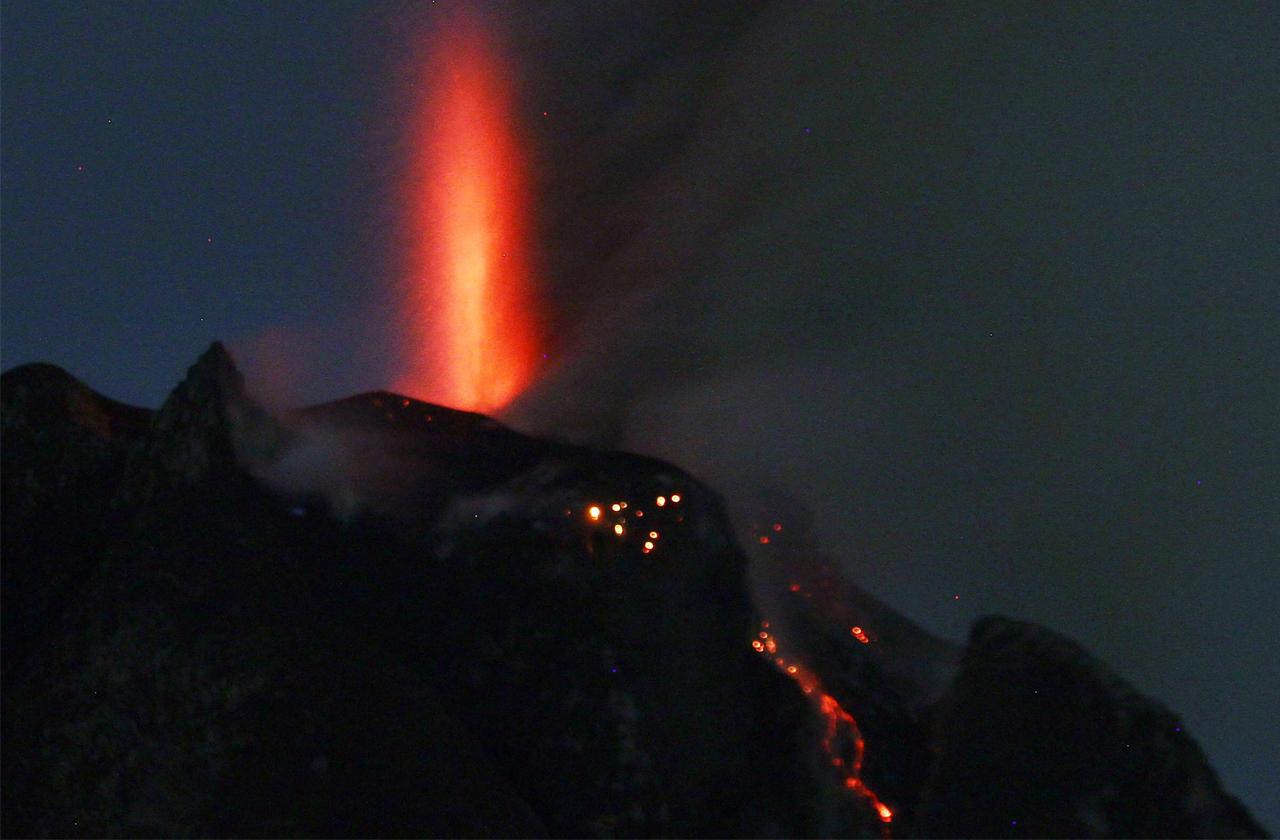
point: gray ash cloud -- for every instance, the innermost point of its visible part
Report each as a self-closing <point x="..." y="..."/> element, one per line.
<point x="990" y="291"/>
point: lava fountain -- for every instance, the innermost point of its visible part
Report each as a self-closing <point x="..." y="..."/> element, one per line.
<point x="467" y="278"/>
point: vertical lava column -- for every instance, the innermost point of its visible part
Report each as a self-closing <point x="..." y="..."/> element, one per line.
<point x="472" y="318"/>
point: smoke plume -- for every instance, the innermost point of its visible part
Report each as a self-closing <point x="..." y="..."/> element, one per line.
<point x="989" y="290"/>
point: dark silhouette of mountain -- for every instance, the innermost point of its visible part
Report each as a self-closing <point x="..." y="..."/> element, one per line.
<point x="383" y="617"/>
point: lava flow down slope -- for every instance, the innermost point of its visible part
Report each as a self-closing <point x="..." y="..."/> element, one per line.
<point x="383" y="617"/>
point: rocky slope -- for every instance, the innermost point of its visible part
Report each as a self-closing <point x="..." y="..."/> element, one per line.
<point x="382" y="617"/>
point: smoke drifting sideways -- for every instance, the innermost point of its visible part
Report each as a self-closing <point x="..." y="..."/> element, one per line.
<point x="988" y="291"/>
<point x="350" y="467"/>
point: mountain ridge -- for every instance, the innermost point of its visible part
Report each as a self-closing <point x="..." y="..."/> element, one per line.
<point x="379" y="616"/>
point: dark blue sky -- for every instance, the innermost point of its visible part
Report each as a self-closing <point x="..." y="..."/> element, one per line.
<point x="135" y="133"/>
<point x="991" y="289"/>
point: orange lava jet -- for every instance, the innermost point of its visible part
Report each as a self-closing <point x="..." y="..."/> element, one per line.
<point x="468" y="273"/>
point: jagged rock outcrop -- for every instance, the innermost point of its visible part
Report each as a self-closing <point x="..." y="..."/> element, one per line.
<point x="1020" y="733"/>
<point x="382" y="617"/>
<point x="63" y="450"/>
<point x="206" y="431"/>
<point x="241" y="661"/>
<point x="1038" y="738"/>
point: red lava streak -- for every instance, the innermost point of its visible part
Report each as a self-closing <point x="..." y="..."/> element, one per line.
<point x="473" y="321"/>
<point x="841" y="732"/>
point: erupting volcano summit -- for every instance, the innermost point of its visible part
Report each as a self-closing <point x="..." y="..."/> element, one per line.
<point x="467" y="272"/>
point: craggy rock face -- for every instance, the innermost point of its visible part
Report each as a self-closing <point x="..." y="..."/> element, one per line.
<point x="382" y="617"/>
<point x="1037" y="738"/>
<point x="63" y="450"/>
<point x="464" y="652"/>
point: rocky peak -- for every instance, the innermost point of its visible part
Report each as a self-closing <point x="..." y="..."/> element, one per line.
<point x="63" y="448"/>
<point x="494" y="650"/>
<point x="35" y="385"/>
<point x="40" y="396"/>
<point x="58" y="433"/>
<point x="1037" y="737"/>
<point x="205" y="427"/>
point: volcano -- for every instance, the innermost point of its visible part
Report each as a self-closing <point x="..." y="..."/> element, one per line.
<point x="384" y="617"/>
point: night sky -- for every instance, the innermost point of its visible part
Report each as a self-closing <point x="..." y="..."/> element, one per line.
<point x="991" y="292"/>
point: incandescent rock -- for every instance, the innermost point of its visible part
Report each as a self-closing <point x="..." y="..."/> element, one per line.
<point x="457" y="657"/>
<point x="381" y="617"/>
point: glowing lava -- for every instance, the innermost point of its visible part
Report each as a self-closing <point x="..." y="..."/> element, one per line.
<point x="841" y="733"/>
<point x="468" y="277"/>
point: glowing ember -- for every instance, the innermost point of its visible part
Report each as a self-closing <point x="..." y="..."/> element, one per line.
<point x="614" y="516"/>
<point x="661" y="501"/>
<point x="841" y="729"/>
<point x="467" y="270"/>
<point x="675" y="498"/>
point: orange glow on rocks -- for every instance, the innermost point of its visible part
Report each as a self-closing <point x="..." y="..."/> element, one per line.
<point x="471" y="306"/>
